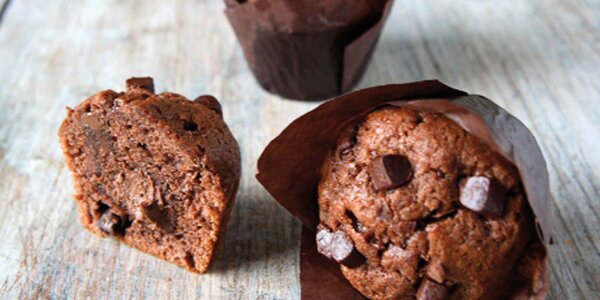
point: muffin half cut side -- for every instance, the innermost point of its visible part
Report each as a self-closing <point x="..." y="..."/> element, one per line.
<point x="156" y="171"/>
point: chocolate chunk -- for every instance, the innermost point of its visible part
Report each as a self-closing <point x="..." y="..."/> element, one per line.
<point x="324" y="237"/>
<point x="91" y="121"/>
<point x="436" y="271"/>
<point x="344" y="252"/>
<point x="345" y="146"/>
<point x="430" y="290"/>
<point x="189" y="261"/>
<point x="347" y="140"/>
<point x="211" y="102"/>
<point x="339" y="247"/>
<point x="158" y="215"/>
<point x="190" y="126"/>
<point x="145" y="83"/>
<point x="483" y="195"/>
<point x="390" y="171"/>
<point x="110" y="223"/>
<point x="358" y="227"/>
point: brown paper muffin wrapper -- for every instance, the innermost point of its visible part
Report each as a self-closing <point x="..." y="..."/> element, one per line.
<point x="303" y="63"/>
<point x="289" y="169"/>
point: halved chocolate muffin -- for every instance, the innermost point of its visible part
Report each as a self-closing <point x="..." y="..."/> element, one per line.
<point x="156" y="171"/>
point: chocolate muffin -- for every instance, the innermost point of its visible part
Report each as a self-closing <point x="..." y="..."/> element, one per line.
<point x="156" y="171"/>
<point x="417" y="190"/>
<point x="307" y="50"/>
<point x="413" y="205"/>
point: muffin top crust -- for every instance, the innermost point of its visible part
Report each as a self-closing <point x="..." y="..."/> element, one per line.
<point x="424" y="231"/>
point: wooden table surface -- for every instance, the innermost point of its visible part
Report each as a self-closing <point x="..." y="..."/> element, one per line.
<point x="540" y="59"/>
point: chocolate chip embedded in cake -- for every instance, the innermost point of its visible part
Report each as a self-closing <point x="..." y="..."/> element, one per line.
<point x="430" y="290"/>
<point x="211" y="103"/>
<point x="483" y="195"/>
<point x="389" y="171"/>
<point x="427" y="205"/>
<point x="156" y="171"/>
<point x="144" y="83"/>
<point x="339" y="247"/>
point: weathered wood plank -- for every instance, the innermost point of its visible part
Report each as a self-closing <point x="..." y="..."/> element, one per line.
<point x="537" y="58"/>
<point x="47" y="253"/>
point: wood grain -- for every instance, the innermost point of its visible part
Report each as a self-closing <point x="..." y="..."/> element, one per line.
<point x="540" y="59"/>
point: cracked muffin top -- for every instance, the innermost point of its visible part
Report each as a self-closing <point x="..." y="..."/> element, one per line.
<point x="413" y="206"/>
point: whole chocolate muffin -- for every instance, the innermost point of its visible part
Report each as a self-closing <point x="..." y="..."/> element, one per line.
<point x="156" y="171"/>
<point x="307" y="50"/>
<point x="413" y="205"/>
<point x="315" y="16"/>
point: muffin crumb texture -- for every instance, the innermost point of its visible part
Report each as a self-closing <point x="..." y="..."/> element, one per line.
<point x="156" y="171"/>
<point x="432" y="210"/>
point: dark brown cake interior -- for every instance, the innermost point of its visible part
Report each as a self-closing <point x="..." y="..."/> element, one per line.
<point x="156" y="171"/>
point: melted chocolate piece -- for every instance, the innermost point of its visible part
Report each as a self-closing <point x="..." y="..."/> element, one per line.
<point x="339" y="247"/>
<point x="211" y="102"/>
<point x="321" y="277"/>
<point x="430" y="290"/>
<point x="92" y="121"/>
<point x="100" y="140"/>
<point x="110" y="223"/>
<point x="347" y="140"/>
<point x="324" y="238"/>
<point x="389" y="171"/>
<point x="145" y="83"/>
<point x="159" y="216"/>
<point x="344" y="252"/>
<point x="483" y="195"/>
